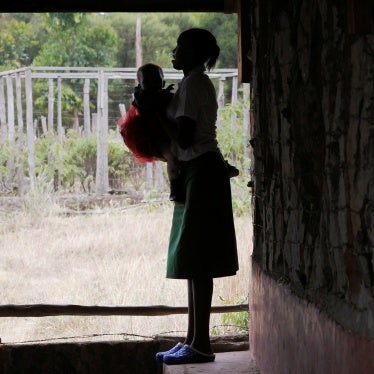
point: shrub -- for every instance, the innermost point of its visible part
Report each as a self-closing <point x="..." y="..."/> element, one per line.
<point x="75" y="160"/>
<point x="235" y="322"/>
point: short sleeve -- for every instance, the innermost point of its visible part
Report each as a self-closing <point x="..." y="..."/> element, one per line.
<point x="189" y="100"/>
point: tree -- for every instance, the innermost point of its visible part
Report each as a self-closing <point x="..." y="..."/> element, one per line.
<point x="19" y="41"/>
<point x="224" y="28"/>
<point x="124" y="24"/>
<point x="75" y="41"/>
<point x="159" y="34"/>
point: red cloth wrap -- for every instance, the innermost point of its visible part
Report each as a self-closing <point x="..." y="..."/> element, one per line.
<point x="136" y="131"/>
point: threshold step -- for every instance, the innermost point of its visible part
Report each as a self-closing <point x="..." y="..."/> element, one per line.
<point x="237" y="362"/>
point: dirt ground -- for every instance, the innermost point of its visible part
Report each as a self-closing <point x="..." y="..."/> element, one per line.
<point x="75" y="201"/>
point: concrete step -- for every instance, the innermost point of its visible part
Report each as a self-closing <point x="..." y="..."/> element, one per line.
<point x="237" y="362"/>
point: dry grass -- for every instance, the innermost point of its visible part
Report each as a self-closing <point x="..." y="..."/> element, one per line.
<point x="116" y="258"/>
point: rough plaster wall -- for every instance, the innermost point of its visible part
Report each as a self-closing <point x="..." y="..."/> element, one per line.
<point x="313" y="142"/>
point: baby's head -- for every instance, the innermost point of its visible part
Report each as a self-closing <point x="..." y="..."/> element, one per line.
<point x="150" y="77"/>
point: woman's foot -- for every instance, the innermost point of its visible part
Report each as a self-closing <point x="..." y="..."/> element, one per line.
<point x="160" y="355"/>
<point x="188" y="355"/>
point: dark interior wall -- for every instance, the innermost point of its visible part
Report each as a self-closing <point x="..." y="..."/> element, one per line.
<point x="313" y="143"/>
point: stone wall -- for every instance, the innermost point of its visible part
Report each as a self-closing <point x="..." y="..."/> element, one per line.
<point x="106" y="357"/>
<point x="313" y="144"/>
<point x="80" y="358"/>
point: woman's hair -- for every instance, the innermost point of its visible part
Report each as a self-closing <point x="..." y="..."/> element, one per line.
<point x="204" y="43"/>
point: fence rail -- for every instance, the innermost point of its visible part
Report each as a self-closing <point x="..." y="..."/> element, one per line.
<point x="45" y="310"/>
<point x="17" y="112"/>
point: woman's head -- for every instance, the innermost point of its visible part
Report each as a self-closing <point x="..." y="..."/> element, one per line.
<point x="195" y="47"/>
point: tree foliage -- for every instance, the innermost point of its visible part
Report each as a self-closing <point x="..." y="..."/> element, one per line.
<point x="224" y="28"/>
<point x="76" y="41"/>
<point x="104" y="39"/>
<point x="124" y="24"/>
<point x="100" y="39"/>
<point x="19" y="41"/>
<point x="159" y="35"/>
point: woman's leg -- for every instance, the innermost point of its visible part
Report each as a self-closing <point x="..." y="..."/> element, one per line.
<point x="202" y="300"/>
<point x="191" y="314"/>
<point x="191" y="324"/>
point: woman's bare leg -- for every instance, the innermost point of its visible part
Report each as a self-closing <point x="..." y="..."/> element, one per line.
<point x="202" y="301"/>
<point x="191" y="314"/>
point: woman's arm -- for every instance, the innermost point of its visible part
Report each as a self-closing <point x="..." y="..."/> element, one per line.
<point x="186" y="131"/>
<point x="182" y="131"/>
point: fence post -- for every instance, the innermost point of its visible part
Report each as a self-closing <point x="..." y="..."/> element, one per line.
<point x="60" y="131"/>
<point x="122" y="110"/>
<point x="159" y="176"/>
<point x="246" y="120"/>
<point x="30" y="128"/>
<point x="19" y="161"/>
<point x="234" y="100"/>
<point x="3" y="129"/>
<point x="43" y="120"/>
<point x="86" y="108"/>
<point x="94" y="123"/>
<point x="102" y="181"/>
<point x="11" y="127"/>
<point x="220" y="98"/>
<point x="51" y="101"/>
<point x="149" y="175"/>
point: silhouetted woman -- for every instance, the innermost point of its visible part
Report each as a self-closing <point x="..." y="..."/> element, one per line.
<point x="202" y="240"/>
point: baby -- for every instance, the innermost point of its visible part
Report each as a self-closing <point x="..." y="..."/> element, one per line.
<point x="141" y="129"/>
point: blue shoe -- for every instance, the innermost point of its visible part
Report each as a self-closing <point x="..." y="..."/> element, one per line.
<point x="187" y="355"/>
<point x="160" y="355"/>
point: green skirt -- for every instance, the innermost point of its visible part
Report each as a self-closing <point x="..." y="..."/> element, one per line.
<point x="202" y="239"/>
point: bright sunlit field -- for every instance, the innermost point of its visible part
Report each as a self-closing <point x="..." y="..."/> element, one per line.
<point x="117" y="257"/>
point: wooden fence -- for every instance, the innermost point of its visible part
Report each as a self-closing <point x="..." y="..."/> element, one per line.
<point x="46" y="310"/>
<point x="43" y="310"/>
<point x="17" y="109"/>
<point x="17" y="116"/>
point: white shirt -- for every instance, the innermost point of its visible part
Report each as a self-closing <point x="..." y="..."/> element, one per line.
<point x="195" y="98"/>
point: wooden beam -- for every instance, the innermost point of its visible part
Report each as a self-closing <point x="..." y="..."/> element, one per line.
<point x="230" y="6"/>
<point x="360" y="14"/>
<point x="244" y="41"/>
<point x="44" y="310"/>
<point x="113" y="6"/>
